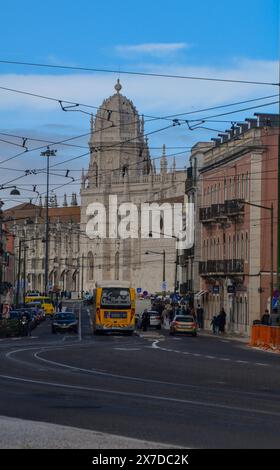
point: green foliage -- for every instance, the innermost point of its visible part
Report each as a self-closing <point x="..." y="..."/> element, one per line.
<point x="9" y="328"/>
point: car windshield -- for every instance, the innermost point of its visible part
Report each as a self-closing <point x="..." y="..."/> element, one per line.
<point x="14" y="314"/>
<point x="184" y="319"/>
<point x="115" y="296"/>
<point x="153" y="313"/>
<point x="65" y="316"/>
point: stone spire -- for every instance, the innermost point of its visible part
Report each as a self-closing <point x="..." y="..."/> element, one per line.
<point x="74" y="200"/>
<point x="118" y="86"/>
<point x="163" y="161"/>
<point x="154" y="168"/>
<point x="65" y="203"/>
<point x="91" y="123"/>
<point x="174" y="165"/>
<point x="53" y="200"/>
<point x="142" y="124"/>
<point x="40" y="201"/>
<point x="83" y="179"/>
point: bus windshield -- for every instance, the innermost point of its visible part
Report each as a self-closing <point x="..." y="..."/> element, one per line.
<point x="115" y="297"/>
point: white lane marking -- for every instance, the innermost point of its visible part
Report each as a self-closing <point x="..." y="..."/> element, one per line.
<point x="143" y="396"/>
<point x="128" y="349"/>
<point x="236" y="361"/>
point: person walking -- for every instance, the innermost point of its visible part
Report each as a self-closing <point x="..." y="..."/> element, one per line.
<point x="266" y="318"/>
<point x="145" y="320"/>
<point x="60" y="306"/>
<point x="200" y="317"/>
<point x="222" y="320"/>
<point x="215" y="324"/>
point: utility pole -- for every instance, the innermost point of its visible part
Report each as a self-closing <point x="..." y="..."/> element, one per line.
<point x="176" y="269"/>
<point x="271" y="256"/>
<point x="269" y="208"/>
<point x="48" y="153"/>
<point x="24" y="271"/>
<point x="18" y="273"/>
<point x="82" y="280"/>
<point x="163" y="269"/>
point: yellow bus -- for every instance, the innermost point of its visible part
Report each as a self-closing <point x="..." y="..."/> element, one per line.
<point x="113" y="307"/>
<point x="45" y="301"/>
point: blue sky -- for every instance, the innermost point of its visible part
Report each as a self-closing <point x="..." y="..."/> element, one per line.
<point x="210" y="38"/>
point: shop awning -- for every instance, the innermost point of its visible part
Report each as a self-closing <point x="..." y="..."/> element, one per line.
<point x="200" y="293"/>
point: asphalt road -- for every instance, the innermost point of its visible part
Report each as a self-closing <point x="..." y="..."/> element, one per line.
<point x="203" y="392"/>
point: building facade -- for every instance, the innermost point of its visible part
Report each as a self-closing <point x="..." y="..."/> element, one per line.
<point x="120" y="165"/>
<point x="28" y="228"/>
<point x="239" y="174"/>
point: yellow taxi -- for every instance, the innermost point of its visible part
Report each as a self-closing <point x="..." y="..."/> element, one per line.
<point x="45" y="301"/>
<point x="183" y="324"/>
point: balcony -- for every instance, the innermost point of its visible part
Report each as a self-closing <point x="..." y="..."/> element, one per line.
<point x="221" y="267"/>
<point x="234" y="207"/>
<point x="206" y="215"/>
<point x="221" y="212"/>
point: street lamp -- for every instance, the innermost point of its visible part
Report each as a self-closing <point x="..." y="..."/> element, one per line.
<point x="177" y="255"/>
<point x="14" y="191"/>
<point x="48" y="153"/>
<point x="163" y="266"/>
<point x="269" y="208"/>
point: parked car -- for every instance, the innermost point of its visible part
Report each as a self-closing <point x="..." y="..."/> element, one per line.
<point x="64" y="321"/>
<point x="38" y="310"/>
<point x="26" y="320"/>
<point x="183" y="324"/>
<point x="154" y="319"/>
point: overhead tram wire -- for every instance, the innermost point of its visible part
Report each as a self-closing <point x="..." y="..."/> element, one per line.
<point x="74" y="103"/>
<point x="130" y="72"/>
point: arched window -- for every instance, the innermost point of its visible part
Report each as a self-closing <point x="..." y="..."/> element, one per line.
<point x="237" y="246"/>
<point x="242" y="186"/>
<point x="247" y="186"/>
<point x="225" y="189"/>
<point x="95" y="173"/>
<point x="124" y="170"/>
<point x="246" y="246"/>
<point x="90" y="263"/>
<point x="242" y="246"/>
<point x="117" y="266"/>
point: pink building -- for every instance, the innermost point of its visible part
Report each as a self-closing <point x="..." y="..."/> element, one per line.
<point x="235" y="267"/>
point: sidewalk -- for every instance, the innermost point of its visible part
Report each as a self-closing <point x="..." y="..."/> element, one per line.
<point x="228" y="336"/>
<point x="24" y="434"/>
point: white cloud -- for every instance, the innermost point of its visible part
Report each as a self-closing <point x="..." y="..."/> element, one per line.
<point x="153" y="49"/>
<point x="157" y="96"/>
<point x="151" y="95"/>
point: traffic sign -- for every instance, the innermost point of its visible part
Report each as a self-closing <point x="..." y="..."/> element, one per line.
<point x="139" y="290"/>
<point x="145" y="293"/>
<point x="164" y="285"/>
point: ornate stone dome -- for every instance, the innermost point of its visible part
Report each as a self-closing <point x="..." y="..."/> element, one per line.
<point x="117" y="118"/>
